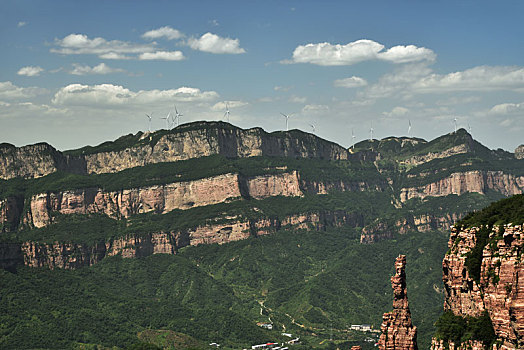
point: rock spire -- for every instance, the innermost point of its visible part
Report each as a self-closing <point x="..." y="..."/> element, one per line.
<point x="398" y="333"/>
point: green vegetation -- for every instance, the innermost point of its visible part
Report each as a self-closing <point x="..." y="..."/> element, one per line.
<point x="210" y="293"/>
<point x="505" y="211"/>
<point x="460" y="329"/>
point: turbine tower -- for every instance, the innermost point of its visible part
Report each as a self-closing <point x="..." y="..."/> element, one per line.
<point x="352" y="138"/>
<point x="409" y="128"/>
<point x="469" y="128"/>
<point x="167" y="120"/>
<point x="177" y="116"/>
<point x="312" y="127"/>
<point x="287" y="120"/>
<point x="371" y="131"/>
<point x="149" y="117"/>
<point x="226" y="115"/>
<point x="455" y="121"/>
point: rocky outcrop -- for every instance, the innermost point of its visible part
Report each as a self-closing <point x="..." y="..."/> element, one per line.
<point x="326" y="186"/>
<point x="10" y="213"/>
<point x="421" y="159"/>
<point x="519" y="152"/>
<point x="159" y="199"/>
<point x="500" y="289"/>
<point x="398" y="332"/>
<point x="471" y="181"/>
<point x="74" y="255"/>
<point x="35" y="161"/>
<point x="381" y="230"/>
<point x="469" y="345"/>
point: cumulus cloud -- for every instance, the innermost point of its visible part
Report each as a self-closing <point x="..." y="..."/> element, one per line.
<point x="315" y="108"/>
<point x="9" y="91"/>
<point x="21" y="24"/>
<point x="297" y="99"/>
<point x="282" y="88"/>
<point x="350" y="82"/>
<point x="30" y="71"/>
<point x="114" y="56"/>
<point x="482" y="78"/>
<point x="220" y="106"/>
<point x="107" y="95"/>
<point x="162" y="55"/>
<point x="326" y="54"/>
<point x="102" y="68"/>
<point x="213" y="43"/>
<point x="508" y="108"/>
<point x="396" y="112"/>
<point x="76" y="44"/>
<point x="163" y="32"/>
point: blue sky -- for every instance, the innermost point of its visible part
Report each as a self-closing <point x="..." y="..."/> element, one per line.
<point x="76" y="73"/>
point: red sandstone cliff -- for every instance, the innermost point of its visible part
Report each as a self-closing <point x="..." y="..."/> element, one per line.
<point x="398" y="332"/>
<point x="500" y="290"/>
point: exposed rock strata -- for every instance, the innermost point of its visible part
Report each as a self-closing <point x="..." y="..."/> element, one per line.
<point x="471" y="181"/>
<point x="519" y="152"/>
<point x="420" y="159"/>
<point x="36" y="161"/>
<point x="10" y="212"/>
<point x="500" y="290"/>
<point x="75" y="255"/>
<point x="159" y="199"/>
<point x="398" y="332"/>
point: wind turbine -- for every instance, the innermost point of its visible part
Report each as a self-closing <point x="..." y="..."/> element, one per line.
<point x="312" y="127"/>
<point x="352" y="138"/>
<point x="167" y="120"/>
<point x="177" y="116"/>
<point x="149" y="117"/>
<point x="226" y="115"/>
<point x="409" y="128"/>
<point x="287" y="120"/>
<point x="455" y="121"/>
<point x="469" y="128"/>
<point x="371" y="131"/>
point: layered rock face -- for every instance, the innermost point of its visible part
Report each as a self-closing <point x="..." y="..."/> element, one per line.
<point x="189" y="141"/>
<point x="74" y="255"/>
<point x="35" y="161"/>
<point x="471" y="181"/>
<point x="159" y="199"/>
<point x="500" y="290"/>
<point x="519" y="152"/>
<point x="398" y="332"/>
<point x="421" y="159"/>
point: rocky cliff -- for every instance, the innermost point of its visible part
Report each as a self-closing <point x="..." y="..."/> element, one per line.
<point x="74" y="255"/>
<point x="519" y="152"/>
<point x="471" y="181"/>
<point x="398" y="332"/>
<point x="495" y="287"/>
<point x="35" y="161"/>
<point x="193" y="140"/>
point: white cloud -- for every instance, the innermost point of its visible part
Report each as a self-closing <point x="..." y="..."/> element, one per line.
<point x="213" y="43"/>
<point x="396" y="112"/>
<point x="315" y="108"/>
<point x="282" y="88"/>
<point x="30" y="71"/>
<point x="114" y="95"/>
<point x="508" y="108"/>
<point x="163" y="32"/>
<point x="482" y="78"/>
<point x="458" y="100"/>
<point x="350" y="82"/>
<point x="326" y="54"/>
<point x="10" y="91"/>
<point x="405" y="54"/>
<point x="21" y="24"/>
<point x="114" y="56"/>
<point x="75" y="44"/>
<point x="102" y="68"/>
<point x="162" y="55"/>
<point x="297" y="99"/>
<point x="220" y="106"/>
